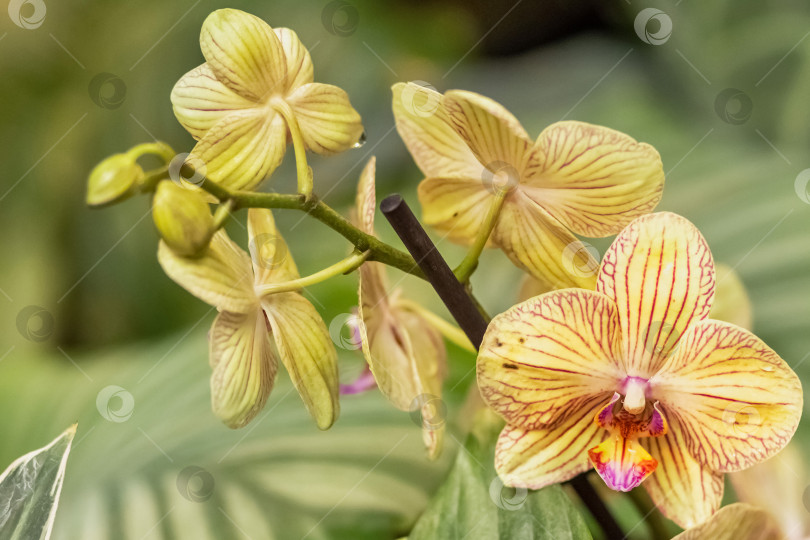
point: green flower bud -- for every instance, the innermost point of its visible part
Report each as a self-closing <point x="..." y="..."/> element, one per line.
<point x="113" y="180"/>
<point x="183" y="218"/>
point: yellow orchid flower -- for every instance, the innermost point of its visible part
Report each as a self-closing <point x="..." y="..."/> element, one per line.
<point x="737" y="521"/>
<point x="575" y="178"/>
<point x="405" y="352"/>
<point x="256" y="87"/>
<point x="241" y="354"/>
<point x="633" y="377"/>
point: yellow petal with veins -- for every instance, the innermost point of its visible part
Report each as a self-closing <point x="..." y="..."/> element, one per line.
<point x="454" y="206"/>
<point x="244" y="366"/>
<point x="271" y="258"/>
<point x="537" y="243"/>
<point x="299" y="64"/>
<point x="737" y="401"/>
<point x="738" y="521"/>
<point x="548" y="455"/>
<point x="493" y="135"/>
<point x="550" y="356"/>
<point x="220" y="276"/>
<point x="424" y="126"/>
<point x="593" y="179"/>
<point x="307" y="352"/>
<point x="685" y="491"/>
<point x="329" y="124"/>
<point x="200" y="100"/>
<point x="660" y="274"/>
<point x="244" y="53"/>
<point x="242" y="149"/>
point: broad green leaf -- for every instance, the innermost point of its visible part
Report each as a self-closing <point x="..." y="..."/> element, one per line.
<point x="151" y="461"/>
<point x="30" y="489"/>
<point x="473" y="502"/>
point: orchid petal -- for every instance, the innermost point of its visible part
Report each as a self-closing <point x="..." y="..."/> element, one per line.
<point x="269" y="254"/>
<point x="622" y="462"/>
<point x="537" y="243"/>
<point x="549" y="356"/>
<point x="221" y="276"/>
<point x="244" y="366"/>
<point x="492" y="133"/>
<point x="244" y="53"/>
<point x="593" y="179"/>
<point x="329" y="124"/>
<point x="738" y="402"/>
<point x="424" y="126"/>
<point x="534" y="459"/>
<point x="307" y="352"/>
<point x="660" y="274"/>
<point x="738" y="521"/>
<point x="299" y="64"/>
<point x="685" y="491"/>
<point x="243" y="148"/>
<point x="531" y="287"/>
<point x="454" y="206"/>
<point x="200" y="100"/>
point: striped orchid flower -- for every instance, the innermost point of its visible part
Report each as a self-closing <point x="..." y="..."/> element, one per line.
<point x="576" y="178"/>
<point x="634" y="379"/>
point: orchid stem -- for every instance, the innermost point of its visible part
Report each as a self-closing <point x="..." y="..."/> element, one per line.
<point x="349" y="264"/>
<point x="161" y="149"/>
<point x="305" y="183"/>
<point x="450" y="331"/>
<point x="223" y="212"/>
<point x="467" y="266"/>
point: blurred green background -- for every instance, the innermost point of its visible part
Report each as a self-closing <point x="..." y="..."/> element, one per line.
<point x="722" y="95"/>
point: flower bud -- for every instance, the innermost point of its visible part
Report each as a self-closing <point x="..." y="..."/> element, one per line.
<point x="113" y="180"/>
<point x="183" y="218"/>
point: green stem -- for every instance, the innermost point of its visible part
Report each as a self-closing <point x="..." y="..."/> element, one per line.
<point x="160" y="148"/>
<point x="467" y="266"/>
<point x="649" y="513"/>
<point x="349" y="264"/>
<point x="450" y="331"/>
<point x="222" y="214"/>
<point x="304" y="173"/>
<point x="380" y="251"/>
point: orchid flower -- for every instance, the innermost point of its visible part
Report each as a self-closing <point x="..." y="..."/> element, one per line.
<point x="633" y="378"/>
<point x="240" y="351"/>
<point x="254" y="89"/>
<point x="405" y="352"/>
<point x="575" y="178"/>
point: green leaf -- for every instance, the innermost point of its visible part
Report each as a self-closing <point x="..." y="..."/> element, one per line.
<point x="473" y="502"/>
<point x="151" y="461"/>
<point x="30" y="489"/>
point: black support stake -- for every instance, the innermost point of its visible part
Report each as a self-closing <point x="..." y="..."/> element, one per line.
<point x="470" y="320"/>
